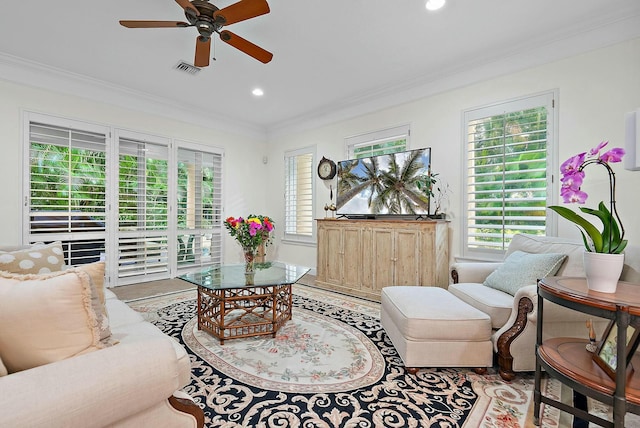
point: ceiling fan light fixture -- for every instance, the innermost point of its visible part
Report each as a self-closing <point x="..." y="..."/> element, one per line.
<point x="258" y="92"/>
<point x="434" y="4"/>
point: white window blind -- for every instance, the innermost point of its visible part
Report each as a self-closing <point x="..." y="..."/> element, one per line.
<point x="386" y="141"/>
<point x="143" y="210"/>
<point x="299" y="195"/>
<point x="507" y="178"/>
<point x="67" y="188"/>
<point x="199" y="202"/>
<point x="116" y="198"/>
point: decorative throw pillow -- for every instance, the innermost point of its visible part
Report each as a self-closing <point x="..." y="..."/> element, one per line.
<point x="46" y="318"/>
<point x="521" y="269"/>
<point x="39" y="258"/>
<point x="96" y="275"/>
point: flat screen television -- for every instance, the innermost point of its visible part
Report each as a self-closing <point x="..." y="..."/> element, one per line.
<point x="384" y="185"/>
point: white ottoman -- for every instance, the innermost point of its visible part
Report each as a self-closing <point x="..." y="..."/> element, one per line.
<point x="431" y="327"/>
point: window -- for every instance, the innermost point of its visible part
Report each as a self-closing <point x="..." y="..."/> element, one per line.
<point x="298" y="213"/>
<point x="391" y="140"/>
<point x="509" y="155"/>
<point x="199" y="201"/>
<point x="145" y="204"/>
<point x="67" y="193"/>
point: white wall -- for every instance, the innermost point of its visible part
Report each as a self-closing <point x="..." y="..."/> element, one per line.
<point x="243" y="154"/>
<point x="595" y="91"/>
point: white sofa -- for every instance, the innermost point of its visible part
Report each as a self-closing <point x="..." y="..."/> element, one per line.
<point x="514" y="316"/>
<point x="134" y="383"/>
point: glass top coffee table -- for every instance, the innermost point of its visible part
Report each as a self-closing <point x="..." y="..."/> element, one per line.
<point x="229" y="308"/>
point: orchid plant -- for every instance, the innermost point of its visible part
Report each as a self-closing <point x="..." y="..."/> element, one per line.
<point x="609" y="240"/>
<point x="250" y="232"/>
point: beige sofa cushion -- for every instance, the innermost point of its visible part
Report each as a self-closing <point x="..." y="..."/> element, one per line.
<point x="495" y="303"/>
<point x="39" y="258"/>
<point x="46" y="318"/>
<point x="128" y="327"/>
<point x="432" y="313"/>
<point x="521" y="269"/>
<point x="3" y="369"/>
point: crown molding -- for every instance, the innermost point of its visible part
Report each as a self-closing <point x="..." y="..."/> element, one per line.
<point x="564" y="43"/>
<point x="33" y="74"/>
<point x="555" y="48"/>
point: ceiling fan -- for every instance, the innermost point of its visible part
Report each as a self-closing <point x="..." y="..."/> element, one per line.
<point x="208" y="19"/>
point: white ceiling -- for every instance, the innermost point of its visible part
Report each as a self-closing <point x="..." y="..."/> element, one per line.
<point x="332" y="58"/>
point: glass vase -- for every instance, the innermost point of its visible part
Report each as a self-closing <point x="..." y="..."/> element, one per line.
<point x="249" y="264"/>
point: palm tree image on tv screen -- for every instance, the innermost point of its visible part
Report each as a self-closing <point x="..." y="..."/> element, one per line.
<point x="390" y="184"/>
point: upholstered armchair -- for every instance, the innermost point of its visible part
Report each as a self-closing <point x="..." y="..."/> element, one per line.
<point x="514" y="312"/>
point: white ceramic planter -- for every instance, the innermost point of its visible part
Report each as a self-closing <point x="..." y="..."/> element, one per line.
<point x="603" y="271"/>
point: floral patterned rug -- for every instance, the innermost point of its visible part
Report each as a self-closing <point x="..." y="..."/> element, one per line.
<point x="311" y="353"/>
<point x="332" y="365"/>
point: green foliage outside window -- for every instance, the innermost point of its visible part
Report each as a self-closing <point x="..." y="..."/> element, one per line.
<point x="54" y="189"/>
<point x="509" y="166"/>
<point x="383" y="148"/>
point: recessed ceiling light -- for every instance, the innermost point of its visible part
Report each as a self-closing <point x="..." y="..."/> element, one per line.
<point x="258" y="92"/>
<point x="434" y="4"/>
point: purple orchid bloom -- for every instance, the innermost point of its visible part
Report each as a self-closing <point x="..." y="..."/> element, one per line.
<point x="572" y="164"/>
<point x="570" y="195"/>
<point x="613" y="155"/>
<point x="610" y="239"/>
<point x="573" y="181"/>
<point x="596" y="149"/>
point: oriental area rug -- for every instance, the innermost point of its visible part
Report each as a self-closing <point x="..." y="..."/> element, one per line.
<point x="332" y="365"/>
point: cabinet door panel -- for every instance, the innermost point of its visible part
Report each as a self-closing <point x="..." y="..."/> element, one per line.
<point x="384" y="259"/>
<point x="407" y="253"/>
<point x="368" y="259"/>
<point x="334" y="255"/>
<point x="352" y="239"/>
<point x="322" y="261"/>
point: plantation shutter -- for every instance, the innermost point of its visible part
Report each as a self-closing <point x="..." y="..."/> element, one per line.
<point x="508" y="159"/>
<point x="143" y="227"/>
<point x="199" y="202"/>
<point x="67" y="193"/>
<point x="387" y="141"/>
<point x="299" y="195"/>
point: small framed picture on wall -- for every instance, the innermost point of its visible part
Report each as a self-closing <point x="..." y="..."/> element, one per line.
<point x="606" y="355"/>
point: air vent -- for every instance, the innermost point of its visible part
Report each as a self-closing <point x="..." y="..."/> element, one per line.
<point x="187" y="68"/>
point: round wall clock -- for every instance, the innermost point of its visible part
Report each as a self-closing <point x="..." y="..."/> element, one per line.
<point x="326" y="169"/>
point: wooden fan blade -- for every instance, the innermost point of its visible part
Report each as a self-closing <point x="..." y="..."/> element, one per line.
<point x="153" y="24"/>
<point x="246" y="46"/>
<point x="203" y="47"/>
<point x="244" y="9"/>
<point x="186" y="4"/>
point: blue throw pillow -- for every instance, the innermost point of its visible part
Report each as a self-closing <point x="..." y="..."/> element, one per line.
<point x="521" y="269"/>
